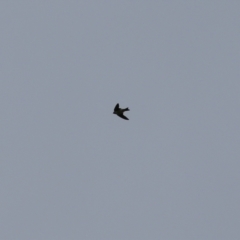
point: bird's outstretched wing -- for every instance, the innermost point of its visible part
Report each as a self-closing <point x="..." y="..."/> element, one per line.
<point x="116" y="107"/>
<point x="122" y="116"/>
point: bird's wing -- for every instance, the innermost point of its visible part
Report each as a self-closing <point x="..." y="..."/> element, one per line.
<point x="116" y="107"/>
<point x="122" y="116"/>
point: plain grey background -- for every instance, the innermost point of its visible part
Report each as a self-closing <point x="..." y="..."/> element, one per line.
<point x="70" y="169"/>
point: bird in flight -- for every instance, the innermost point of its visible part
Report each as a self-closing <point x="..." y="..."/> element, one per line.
<point x="119" y="111"/>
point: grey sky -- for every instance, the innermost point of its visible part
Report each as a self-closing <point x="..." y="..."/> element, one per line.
<point x="70" y="169"/>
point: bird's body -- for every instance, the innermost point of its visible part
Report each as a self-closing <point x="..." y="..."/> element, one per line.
<point x="119" y="111"/>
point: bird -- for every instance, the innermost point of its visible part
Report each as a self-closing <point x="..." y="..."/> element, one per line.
<point x="119" y="111"/>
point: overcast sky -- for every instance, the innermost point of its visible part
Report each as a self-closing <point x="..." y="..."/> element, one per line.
<point x="71" y="169"/>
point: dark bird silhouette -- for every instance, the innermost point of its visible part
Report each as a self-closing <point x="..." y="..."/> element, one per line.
<point x="119" y="111"/>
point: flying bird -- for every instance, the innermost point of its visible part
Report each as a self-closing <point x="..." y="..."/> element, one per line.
<point x="119" y="111"/>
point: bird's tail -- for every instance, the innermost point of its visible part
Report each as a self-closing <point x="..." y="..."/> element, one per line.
<point x="126" y="109"/>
